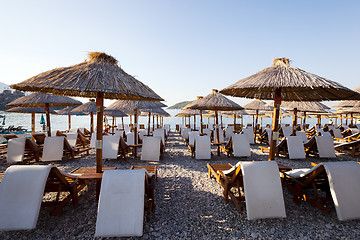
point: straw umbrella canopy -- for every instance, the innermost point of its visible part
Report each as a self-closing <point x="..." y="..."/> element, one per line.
<point x="257" y="105"/>
<point x="98" y="77"/>
<point x="31" y="110"/>
<point x="284" y="82"/>
<point x="351" y="111"/>
<point x="43" y="100"/>
<point x="67" y="111"/>
<point x="88" y="108"/>
<point x="234" y="114"/>
<point x="135" y="106"/>
<point x="217" y="102"/>
<point x="201" y="119"/>
<point x="348" y="103"/>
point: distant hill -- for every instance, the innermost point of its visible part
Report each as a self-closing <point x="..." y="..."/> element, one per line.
<point x="8" y="95"/>
<point x="4" y="86"/>
<point x="179" y="105"/>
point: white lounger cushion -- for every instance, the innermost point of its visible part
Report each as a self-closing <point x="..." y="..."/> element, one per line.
<point x="287" y="131"/>
<point x="53" y="148"/>
<point x="71" y="138"/>
<point x="295" y="147"/>
<point x="192" y="136"/>
<point x="21" y="193"/>
<point x="344" y="179"/>
<point x="325" y="146"/>
<point x="15" y="150"/>
<point x="110" y="146"/>
<point x="250" y="133"/>
<point x="221" y="135"/>
<point x="130" y="138"/>
<point x="263" y="191"/>
<point x="241" y="145"/>
<point x="202" y="147"/>
<point x="302" y="134"/>
<point x="160" y="133"/>
<point x="121" y="204"/>
<point x="150" y="150"/>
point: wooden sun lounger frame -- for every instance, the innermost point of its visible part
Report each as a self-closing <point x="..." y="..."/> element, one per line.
<point x="352" y="147"/>
<point x="310" y="188"/>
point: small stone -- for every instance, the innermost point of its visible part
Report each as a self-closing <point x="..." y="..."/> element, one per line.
<point x="254" y="235"/>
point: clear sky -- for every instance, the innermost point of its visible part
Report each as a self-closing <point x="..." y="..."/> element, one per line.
<point x="182" y="49"/>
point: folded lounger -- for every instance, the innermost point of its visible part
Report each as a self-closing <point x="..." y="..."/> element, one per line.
<point x="303" y="136"/>
<point x="202" y="147"/>
<point x="130" y="138"/>
<point x="341" y="179"/>
<point x="325" y="146"/>
<point x="110" y="146"/>
<point x="151" y="148"/>
<point x="259" y="182"/>
<point x="121" y="204"/>
<point x="250" y="133"/>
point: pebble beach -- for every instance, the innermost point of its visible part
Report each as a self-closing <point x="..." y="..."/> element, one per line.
<point x="189" y="205"/>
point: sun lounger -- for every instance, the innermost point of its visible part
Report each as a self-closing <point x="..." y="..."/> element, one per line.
<point x="352" y="147"/>
<point x="151" y="149"/>
<point x="110" y="146"/>
<point x="338" y="179"/>
<point x="72" y="139"/>
<point x="229" y="132"/>
<point x="325" y="146"/>
<point x="130" y="138"/>
<point x="287" y="131"/>
<point x="250" y="133"/>
<point x="303" y="136"/>
<point x="53" y="149"/>
<point x="241" y="145"/>
<point x="21" y="193"/>
<point x="191" y="145"/>
<point x="256" y="182"/>
<point x="16" y="150"/>
<point x="121" y="204"/>
<point x="202" y="147"/>
<point x="221" y="135"/>
<point x="336" y="133"/>
<point x="295" y="147"/>
<point x="160" y="133"/>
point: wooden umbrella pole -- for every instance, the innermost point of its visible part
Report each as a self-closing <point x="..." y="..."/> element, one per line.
<point x="294" y="121"/>
<point x="69" y="118"/>
<point x="113" y="124"/>
<point x="32" y="122"/>
<point x="92" y="122"/>
<point x="182" y="121"/>
<point x="194" y="122"/>
<point x="122" y="121"/>
<point x="256" y="121"/>
<point x="217" y="131"/>
<point x="201" y="122"/>
<point x="99" y="125"/>
<point x="149" y="123"/>
<point x="346" y="119"/>
<point x="319" y="120"/>
<point x="135" y="129"/>
<point x="242" y="121"/>
<point x="351" y="119"/>
<point x="234" y="123"/>
<point x="221" y="122"/>
<point x="154" y="122"/>
<point x="47" y="111"/>
<point x="157" y="121"/>
<point x="275" y="124"/>
<point x="304" y="122"/>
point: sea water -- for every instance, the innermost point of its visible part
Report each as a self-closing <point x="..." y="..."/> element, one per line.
<point x="60" y="122"/>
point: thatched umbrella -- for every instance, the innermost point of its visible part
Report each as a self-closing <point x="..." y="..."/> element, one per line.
<point x="98" y="77"/>
<point x="201" y="120"/>
<point x="135" y="106"/>
<point x="351" y="111"/>
<point x="234" y="114"/>
<point x="114" y="114"/>
<point x="67" y="111"/>
<point x="156" y="112"/>
<point x="284" y="82"/>
<point x="43" y="100"/>
<point x="303" y="106"/>
<point x="257" y="105"/>
<point x="31" y="110"/>
<point x="88" y="108"/>
<point x="217" y="102"/>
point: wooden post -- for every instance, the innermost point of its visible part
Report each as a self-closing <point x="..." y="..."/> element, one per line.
<point x="221" y="122"/>
<point x="157" y="121"/>
<point x="122" y="121"/>
<point x="217" y="131"/>
<point x="149" y="123"/>
<point x="319" y="120"/>
<point x="275" y="124"/>
<point x="113" y="124"/>
<point x="304" y="122"/>
<point x="294" y="121"/>
<point x="194" y="122"/>
<point x="201" y="122"/>
<point x="99" y="124"/>
<point x="32" y="122"/>
<point x="92" y="122"/>
<point x="352" y="119"/>
<point x="154" y="122"/>
<point x="234" y="123"/>
<point x="256" y="121"/>
<point x="69" y="117"/>
<point x="346" y="119"/>
<point x="47" y="111"/>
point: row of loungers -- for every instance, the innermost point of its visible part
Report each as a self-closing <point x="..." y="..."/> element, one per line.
<point x="118" y="214"/>
<point x="258" y="185"/>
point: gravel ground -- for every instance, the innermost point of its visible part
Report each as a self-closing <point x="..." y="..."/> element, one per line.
<point x="189" y="205"/>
